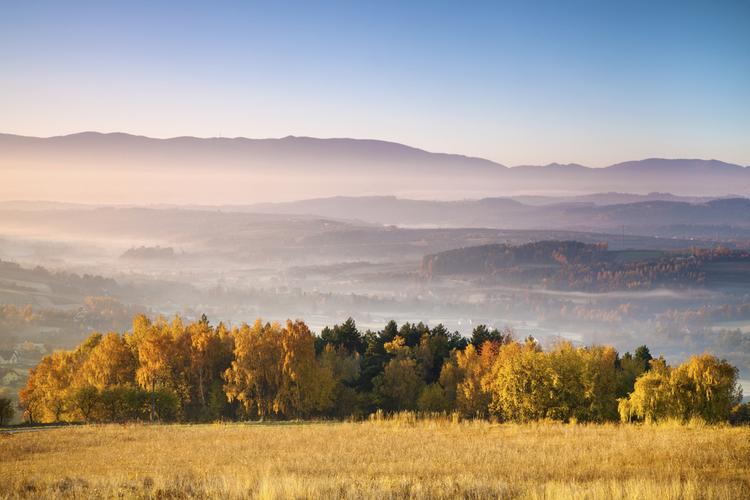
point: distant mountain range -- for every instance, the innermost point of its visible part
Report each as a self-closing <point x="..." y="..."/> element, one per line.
<point x="251" y="170"/>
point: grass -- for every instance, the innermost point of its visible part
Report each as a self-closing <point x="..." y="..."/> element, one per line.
<point x="386" y="459"/>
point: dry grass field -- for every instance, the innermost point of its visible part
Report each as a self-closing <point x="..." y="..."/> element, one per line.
<point x="392" y="459"/>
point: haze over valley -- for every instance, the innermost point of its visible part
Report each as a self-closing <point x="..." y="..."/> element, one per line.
<point x="676" y="274"/>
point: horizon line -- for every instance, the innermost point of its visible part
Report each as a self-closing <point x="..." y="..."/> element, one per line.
<point x="359" y="139"/>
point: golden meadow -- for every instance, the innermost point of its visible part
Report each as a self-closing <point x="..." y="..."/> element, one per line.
<point x="395" y="457"/>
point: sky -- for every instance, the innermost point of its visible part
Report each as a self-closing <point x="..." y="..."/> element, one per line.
<point x="515" y="82"/>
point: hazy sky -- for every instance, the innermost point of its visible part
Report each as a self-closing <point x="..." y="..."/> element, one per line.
<point x="527" y="82"/>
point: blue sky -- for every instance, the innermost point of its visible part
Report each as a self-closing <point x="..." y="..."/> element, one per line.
<point x="517" y="82"/>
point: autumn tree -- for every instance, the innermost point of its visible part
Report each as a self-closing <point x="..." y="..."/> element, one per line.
<point x="307" y="386"/>
<point x="210" y="354"/>
<point x="159" y="358"/>
<point x="450" y="377"/>
<point x="473" y="390"/>
<point x="30" y="398"/>
<point x="276" y="372"/>
<point x="520" y="383"/>
<point x="46" y="396"/>
<point x="567" y="366"/>
<point x="111" y="362"/>
<point x="651" y="397"/>
<point x="600" y="382"/>
<point x="703" y="387"/>
<point x="254" y="377"/>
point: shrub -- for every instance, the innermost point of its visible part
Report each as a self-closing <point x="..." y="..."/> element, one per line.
<point x="6" y="411"/>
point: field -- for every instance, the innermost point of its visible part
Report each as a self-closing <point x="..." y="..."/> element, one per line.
<point x="381" y="459"/>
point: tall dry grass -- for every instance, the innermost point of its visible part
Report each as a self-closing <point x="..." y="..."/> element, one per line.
<point x="378" y="459"/>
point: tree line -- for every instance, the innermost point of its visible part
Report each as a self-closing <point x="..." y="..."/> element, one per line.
<point x="173" y="370"/>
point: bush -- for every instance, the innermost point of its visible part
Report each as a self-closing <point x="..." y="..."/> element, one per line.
<point x="166" y="405"/>
<point x="6" y="411"/>
<point x="433" y="399"/>
<point x="125" y="404"/>
<point x="740" y="414"/>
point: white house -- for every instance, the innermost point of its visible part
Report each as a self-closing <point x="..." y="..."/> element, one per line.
<point x="10" y="377"/>
<point x="8" y="357"/>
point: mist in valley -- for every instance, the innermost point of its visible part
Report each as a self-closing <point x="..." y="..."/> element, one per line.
<point x="68" y="270"/>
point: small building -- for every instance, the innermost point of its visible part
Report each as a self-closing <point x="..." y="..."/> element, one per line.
<point x="8" y="358"/>
<point x="9" y="377"/>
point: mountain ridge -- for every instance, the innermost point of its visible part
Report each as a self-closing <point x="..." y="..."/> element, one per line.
<point x="224" y="170"/>
<point x="667" y="162"/>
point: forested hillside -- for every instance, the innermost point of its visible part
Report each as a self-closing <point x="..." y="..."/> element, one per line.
<point x="572" y="265"/>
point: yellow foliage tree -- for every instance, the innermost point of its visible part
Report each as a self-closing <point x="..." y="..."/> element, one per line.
<point x="520" y="383"/>
<point x="159" y="359"/>
<point x="46" y="395"/>
<point x="254" y="378"/>
<point x="276" y="372"/>
<point x="703" y="387"/>
<point x="209" y="350"/>
<point x="307" y="386"/>
<point x="472" y="392"/>
<point x="112" y="362"/>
